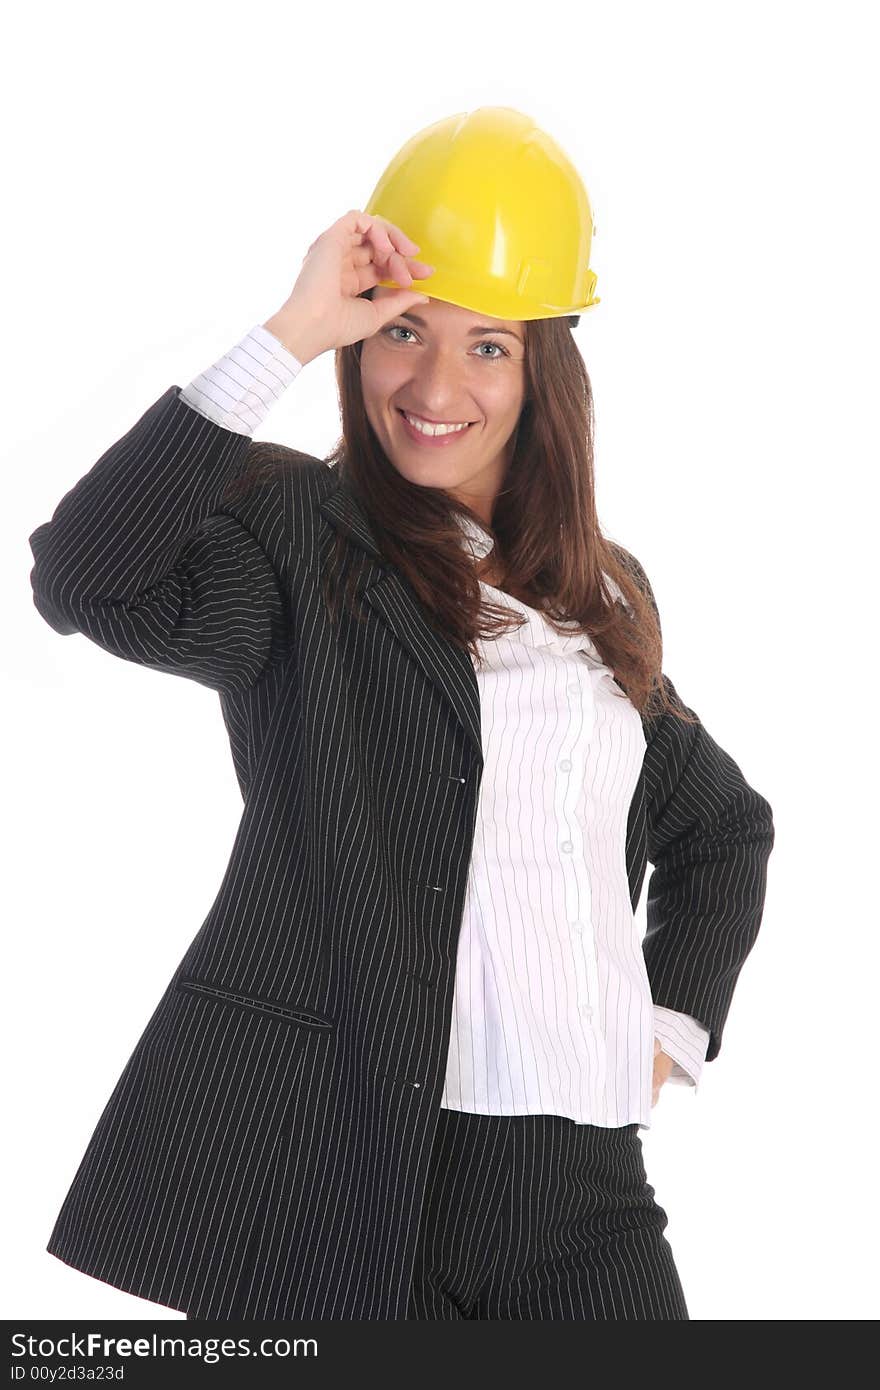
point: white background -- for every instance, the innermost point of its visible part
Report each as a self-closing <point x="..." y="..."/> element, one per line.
<point x="165" y="169"/>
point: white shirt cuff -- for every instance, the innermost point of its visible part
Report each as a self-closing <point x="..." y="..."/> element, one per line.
<point x="239" y="390"/>
<point x="683" y="1039"/>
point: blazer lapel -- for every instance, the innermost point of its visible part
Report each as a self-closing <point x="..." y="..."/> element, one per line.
<point x="446" y="665"/>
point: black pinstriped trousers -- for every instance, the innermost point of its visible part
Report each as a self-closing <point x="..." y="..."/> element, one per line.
<point x="538" y="1217"/>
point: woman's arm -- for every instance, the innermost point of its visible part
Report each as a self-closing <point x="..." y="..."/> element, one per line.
<point x="143" y="558"/>
<point x="709" y="835"/>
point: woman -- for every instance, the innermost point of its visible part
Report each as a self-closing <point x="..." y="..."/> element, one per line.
<point x="401" y="1069"/>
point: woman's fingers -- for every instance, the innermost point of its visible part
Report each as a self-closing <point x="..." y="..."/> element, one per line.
<point x="388" y="256"/>
<point x="391" y="247"/>
<point x="385" y="235"/>
<point x="390" y="263"/>
<point x="369" y="274"/>
<point x="363" y="255"/>
<point x="399" y="270"/>
<point x="353" y="256"/>
<point x="395" y="234"/>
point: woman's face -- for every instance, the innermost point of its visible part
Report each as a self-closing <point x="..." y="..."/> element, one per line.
<point x="440" y="368"/>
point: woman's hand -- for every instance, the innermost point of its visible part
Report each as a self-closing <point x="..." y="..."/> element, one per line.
<point x="324" y="310"/>
<point x="663" y="1065"/>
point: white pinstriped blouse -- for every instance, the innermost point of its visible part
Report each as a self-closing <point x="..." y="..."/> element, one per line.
<point x="552" y="1008"/>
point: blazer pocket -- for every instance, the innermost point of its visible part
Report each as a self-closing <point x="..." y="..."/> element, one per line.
<point x="289" y="1013"/>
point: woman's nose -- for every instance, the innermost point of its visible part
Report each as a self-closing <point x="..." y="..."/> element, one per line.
<point x="441" y="377"/>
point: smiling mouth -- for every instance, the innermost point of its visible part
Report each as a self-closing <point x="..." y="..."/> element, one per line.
<point x="404" y="413"/>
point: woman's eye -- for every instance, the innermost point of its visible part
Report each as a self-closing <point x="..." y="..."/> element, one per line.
<point x="401" y="328"/>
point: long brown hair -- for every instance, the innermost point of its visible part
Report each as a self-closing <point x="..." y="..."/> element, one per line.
<point x="549" y="547"/>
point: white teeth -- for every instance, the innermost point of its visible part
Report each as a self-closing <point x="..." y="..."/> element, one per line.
<point x="433" y="429"/>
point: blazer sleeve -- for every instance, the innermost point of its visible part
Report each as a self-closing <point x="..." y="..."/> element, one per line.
<point x="141" y="557"/>
<point x="709" y="838"/>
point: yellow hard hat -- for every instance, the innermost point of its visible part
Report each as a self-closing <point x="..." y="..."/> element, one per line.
<point x="498" y="208"/>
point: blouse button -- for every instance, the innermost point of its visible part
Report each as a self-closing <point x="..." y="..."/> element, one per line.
<point x="586" y="1010"/>
<point x="565" y="765"/>
<point x="573" y="688"/>
<point x="566" y="845"/>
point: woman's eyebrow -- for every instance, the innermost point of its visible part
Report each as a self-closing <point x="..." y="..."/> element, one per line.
<point x="481" y="328"/>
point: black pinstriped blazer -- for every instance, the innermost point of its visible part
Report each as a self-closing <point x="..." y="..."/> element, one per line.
<point x="264" y="1151"/>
